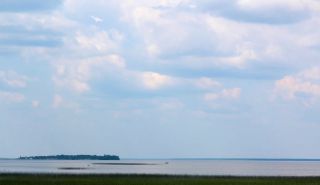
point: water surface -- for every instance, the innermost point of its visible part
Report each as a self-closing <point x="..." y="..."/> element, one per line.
<point x="171" y="167"/>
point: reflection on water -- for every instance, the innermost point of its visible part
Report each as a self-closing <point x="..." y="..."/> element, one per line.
<point x="173" y="167"/>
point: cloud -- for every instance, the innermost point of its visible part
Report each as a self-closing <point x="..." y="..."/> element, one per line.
<point x="244" y="55"/>
<point x="86" y="55"/>
<point x="169" y="34"/>
<point x="197" y="39"/>
<point x="13" y="79"/>
<point x="100" y="41"/>
<point x="173" y="34"/>
<point x="154" y="81"/>
<point x="294" y="5"/>
<point x="75" y="74"/>
<point x="185" y="35"/>
<point x="228" y="94"/>
<point x="304" y="85"/>
<point x="12" y="97"/>
<point x="96" y="19"/>
<point x="206" y="83"/>
<point x="28" y="5"/>
<point x="310" y="74"/>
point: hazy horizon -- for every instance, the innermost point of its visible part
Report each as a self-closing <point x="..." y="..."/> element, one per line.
<point x="160" y="78"/>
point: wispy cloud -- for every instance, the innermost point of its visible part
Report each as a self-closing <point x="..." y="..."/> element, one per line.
<point x="13" y="79"/>
<point x="96" y="19"/>
<point x="233" y="93"/>
<point x="11" y="97"/>
<point x="304" y="85"/>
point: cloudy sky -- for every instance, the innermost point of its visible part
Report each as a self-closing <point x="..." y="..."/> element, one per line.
<point x="160" y="78"/>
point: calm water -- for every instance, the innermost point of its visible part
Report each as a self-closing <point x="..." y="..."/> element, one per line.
<point x="182" y="167"/>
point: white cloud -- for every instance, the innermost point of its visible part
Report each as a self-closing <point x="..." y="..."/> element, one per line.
<point x="305" y="84"/>
<point x="206" y="83"/>
<point x="101" y="41"/>
<point x="165" y="30"/>
<point x="13" y="97"/>
<point x="76" y="73"/>
<point x="179" y="34"/>
<point x="241" y="59"/>
<point x="233" y="93"/>
<point x="168" y="33"/>
<point x="13" y="79"/>
<point x="88" y="54"/>
<point x="154" y="81"/>
<point x="79" y="86"/>
<point x="175" y="33"/>
<point x="311" y="74"/>
<point x="96" y="19"/>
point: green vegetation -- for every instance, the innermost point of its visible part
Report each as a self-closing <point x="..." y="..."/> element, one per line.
<point x="24" y="179"/>
<point x="72" y="157"/>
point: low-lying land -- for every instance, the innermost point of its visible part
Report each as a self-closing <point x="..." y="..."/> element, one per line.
<point x="37" y="179"/>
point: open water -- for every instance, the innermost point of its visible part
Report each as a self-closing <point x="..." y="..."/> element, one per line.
<point x="171" y="167"/>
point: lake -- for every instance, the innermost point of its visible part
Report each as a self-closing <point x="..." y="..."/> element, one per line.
<point x="171" y="167"/>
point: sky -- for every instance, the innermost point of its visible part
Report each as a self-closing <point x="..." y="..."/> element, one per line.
<point x="160" y="78"/>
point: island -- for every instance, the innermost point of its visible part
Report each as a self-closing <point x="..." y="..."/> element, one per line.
<point x="71" y="157"/>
